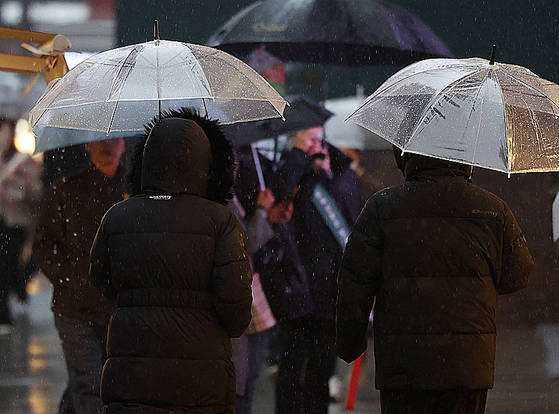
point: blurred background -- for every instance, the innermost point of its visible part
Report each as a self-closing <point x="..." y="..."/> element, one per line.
<point x="525" y="32"/>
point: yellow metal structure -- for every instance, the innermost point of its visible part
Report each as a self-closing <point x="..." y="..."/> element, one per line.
<point x="48" y="56"/>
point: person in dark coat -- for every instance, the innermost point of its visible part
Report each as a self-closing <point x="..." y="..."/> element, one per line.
<point x="70" y="215"/>
<point x="436" y="252"/>
<point x="174" y="257"/>
<point x="307" y="341"/>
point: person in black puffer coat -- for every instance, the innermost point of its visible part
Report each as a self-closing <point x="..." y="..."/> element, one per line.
<point x="436" y="252"/>
<point x="174" y="257"/>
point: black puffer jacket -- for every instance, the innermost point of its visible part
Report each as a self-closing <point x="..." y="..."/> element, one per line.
<point x="436" y="251"/>
<point x="178" y="265"/>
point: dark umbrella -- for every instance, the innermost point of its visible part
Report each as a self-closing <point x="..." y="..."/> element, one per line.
<point x="347" y="32"/>
<point x="303" y="113"/>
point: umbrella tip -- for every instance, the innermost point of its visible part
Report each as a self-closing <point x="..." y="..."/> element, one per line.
<point x="156" y="30"/>
<point x="493" y="53"/>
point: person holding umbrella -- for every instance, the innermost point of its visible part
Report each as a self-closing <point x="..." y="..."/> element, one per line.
<point x="71" y="212"/>
<point x="435" y="252"/>
<point x="174" y="258"/>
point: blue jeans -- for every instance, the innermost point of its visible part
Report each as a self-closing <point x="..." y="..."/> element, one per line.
<point x="257" y="346"/>
<point x="83" y="345"/>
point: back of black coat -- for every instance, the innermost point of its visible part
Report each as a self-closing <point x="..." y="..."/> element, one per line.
<point x="178" y="266"/>
<point x="436" y="252"/>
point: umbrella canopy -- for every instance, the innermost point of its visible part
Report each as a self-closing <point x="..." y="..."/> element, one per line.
<point x="121" y="89"/>
<point x="347" y="32"/>
<point x="497" y="116"/>
<point x="302" y="113"/>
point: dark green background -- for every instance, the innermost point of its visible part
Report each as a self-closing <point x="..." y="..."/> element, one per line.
<point x="525" y="32"/>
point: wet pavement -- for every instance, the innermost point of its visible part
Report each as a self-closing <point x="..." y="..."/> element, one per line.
<point x="33" y="375"/>
<point x="32" y="369"/>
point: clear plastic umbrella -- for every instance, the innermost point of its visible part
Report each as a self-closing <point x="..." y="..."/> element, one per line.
<point x="121" y="89"/>
<point x="474" y="111"/>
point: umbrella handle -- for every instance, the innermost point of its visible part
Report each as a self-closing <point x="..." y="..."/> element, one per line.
<point x="258" y="167"/>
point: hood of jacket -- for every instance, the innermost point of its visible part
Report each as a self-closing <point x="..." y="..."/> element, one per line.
<point x="182" y="151"/>
<point x="417" y="167"/>
<point x="176" y="159"/>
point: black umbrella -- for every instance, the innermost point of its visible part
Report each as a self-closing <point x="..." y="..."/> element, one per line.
<point x="303" y="113"/>
<point x="347" y="32"/>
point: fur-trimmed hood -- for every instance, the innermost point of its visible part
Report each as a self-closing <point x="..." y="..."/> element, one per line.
<point x="183" y="152"/>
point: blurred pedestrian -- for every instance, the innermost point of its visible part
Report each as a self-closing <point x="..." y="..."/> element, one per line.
<point x="71" y="213"/>
<point x="266" y="223"/>
<point x="174" y="258"/>
<point x="20" y="196"/>
<point x="435" y="252"/>
<point x="327" y="199"/>
<point x="249" y="350"/>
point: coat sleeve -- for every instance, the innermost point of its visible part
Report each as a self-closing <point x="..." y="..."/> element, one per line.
<point x="49" y="252"/>
<point x="100" y="268"/>
<point x="294" y="165"/>
<point x="517" y="262"/>
<point x="358" y="283"/>
<point x="232" y="279"/>
<point x="352" y="200"/>
<point x="258" y="230"/>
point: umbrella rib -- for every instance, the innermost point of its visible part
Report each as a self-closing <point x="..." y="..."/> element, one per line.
<point x="479" y="124"/>
<point x="121" y="71"/>
<point x="205" y="106"/>
<point x="509" y="157"/>
<point x="158" y="71"/>
<point x="111" y="119"/>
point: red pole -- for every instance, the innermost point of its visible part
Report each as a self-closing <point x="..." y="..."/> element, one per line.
<point x="355" y="372"/>
<point x="353" y="383"/>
